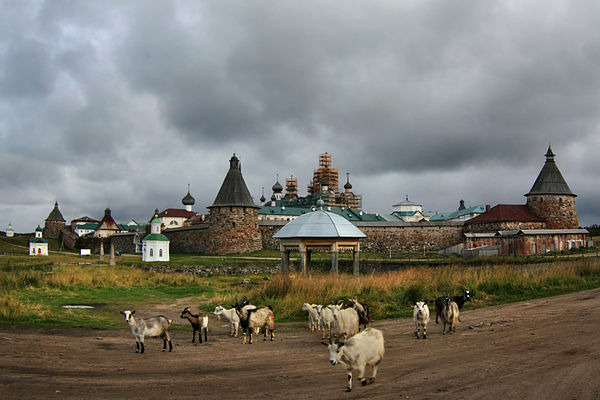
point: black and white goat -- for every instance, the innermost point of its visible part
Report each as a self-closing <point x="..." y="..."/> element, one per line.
<point x="364" y="314"/>
<point x="199" y="323"/>
<point x="459" y="300"/>
<point x="148" y="327"/>
<point x="260" y="317"/>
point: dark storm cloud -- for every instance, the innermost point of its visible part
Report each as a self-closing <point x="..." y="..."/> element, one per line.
<point x="121" y="104"/>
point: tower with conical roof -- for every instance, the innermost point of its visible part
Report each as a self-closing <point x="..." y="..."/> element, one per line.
<point x="233" y="226"/>
<point x="55" y="223"/>
<point x="551" y="198"/>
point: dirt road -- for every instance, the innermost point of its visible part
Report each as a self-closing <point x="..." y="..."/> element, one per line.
<point x="540" y="349"/>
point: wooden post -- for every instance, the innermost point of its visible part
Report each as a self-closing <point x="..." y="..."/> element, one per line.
<point x="284" y="259"/>
<point x="302" y="251"/>
<point x="334" y="259"/>
<point x="355" y="265"/>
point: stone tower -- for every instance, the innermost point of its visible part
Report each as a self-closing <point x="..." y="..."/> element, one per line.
<point x="54" y="224"/>
<point x="233" y="221"/>
<point x="551" y="198"/>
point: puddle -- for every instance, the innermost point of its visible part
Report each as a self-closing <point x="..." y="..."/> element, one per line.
<point x="77" y="307"/>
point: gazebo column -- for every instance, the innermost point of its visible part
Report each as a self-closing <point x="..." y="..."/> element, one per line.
<point x="285" y="259"/>
<point x="303" y="259"/>
<point x="355" y="264"/>
<point x="334" y="259"/>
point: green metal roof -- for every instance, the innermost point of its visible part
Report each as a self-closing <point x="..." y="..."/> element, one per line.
<point x="38" y="240"/>
<point x="348" y="213"/>
<point x="457" y="214"/>
<point x="90" y="225"/>
<point x="156" y="236"/>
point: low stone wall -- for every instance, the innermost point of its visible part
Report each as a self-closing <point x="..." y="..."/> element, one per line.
<point x="189" y="239"/>
<point x="225" y="269"/>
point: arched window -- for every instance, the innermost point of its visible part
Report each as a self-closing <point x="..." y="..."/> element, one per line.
<point x="160" y="252"/>
<point x="151" y="252"/>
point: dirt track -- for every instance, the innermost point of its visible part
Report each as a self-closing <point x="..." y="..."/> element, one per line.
<point x="541" y="349"/>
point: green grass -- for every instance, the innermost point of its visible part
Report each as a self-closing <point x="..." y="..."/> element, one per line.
<point x="32" y="294"/>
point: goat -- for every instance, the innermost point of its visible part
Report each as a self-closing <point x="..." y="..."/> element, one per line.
<point x="326" y="320"/>
<point x="231" y="317"/>
<point x="199" y="323"/>
<point x="345" y="321"/>
<point x="450" y="314"/>
<point x="313" y="316"/>
<point x="261" y="317"/>
<point x="152" y="327"/>
<point x="362" y="349"/>
<point x="364" y="314"/>
<point x="421" y="318"/>
<point x="459" y="300"/>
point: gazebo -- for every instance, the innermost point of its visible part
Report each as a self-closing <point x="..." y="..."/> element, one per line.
<point x="319" y="231"/>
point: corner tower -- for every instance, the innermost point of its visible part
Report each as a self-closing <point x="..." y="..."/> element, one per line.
<point x="55" y="223"/>
<point x="551" y="198"/>
<point x="233" y="221"/>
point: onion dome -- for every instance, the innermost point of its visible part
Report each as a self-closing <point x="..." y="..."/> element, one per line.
<point x="262" y="198"/>
<point x="348" y="186"/>
<point x="188" y="200"/>
<point x="277" y="188"/>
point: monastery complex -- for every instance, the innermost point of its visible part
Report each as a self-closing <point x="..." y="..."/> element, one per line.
<point x="547" y="222"/>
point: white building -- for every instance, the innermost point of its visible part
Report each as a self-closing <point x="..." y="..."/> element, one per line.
<point x="409" y="212"/>
<point x="155" y="246"/>
<point x="10" y="231"/>
<point x="38" y="246"/>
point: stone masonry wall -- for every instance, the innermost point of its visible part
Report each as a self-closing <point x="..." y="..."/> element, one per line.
<point x="233" y="230"/>
<point x="190" y="239"/>
<point x="414" y="238"/>
<point x="503" y="226"/>
<point x="560" y="212"/>
<point x="386" y="236"/>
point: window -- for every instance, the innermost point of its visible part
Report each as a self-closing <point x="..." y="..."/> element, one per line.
<point x="151" y="252"/>
<point x="533" y="249"/>
<point x="160" y="252"/>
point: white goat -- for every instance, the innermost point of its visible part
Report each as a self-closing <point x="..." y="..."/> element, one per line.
<point x="150" y="327"/>
<point x="231" y="317"/>
<point x="345" y="321"/>
<point x="313" y="316"/>
<point x="362" y="349"/>
<point x="326" y="320"/>
<point x="421" y="318"/>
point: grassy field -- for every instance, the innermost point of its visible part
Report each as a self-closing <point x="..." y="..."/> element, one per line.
<point x="34" y="289"/>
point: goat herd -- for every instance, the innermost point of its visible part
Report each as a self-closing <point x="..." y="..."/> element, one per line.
<point x="351" y="342"/>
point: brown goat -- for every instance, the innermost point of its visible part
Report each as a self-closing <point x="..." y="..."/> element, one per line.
<point x="199" y="323"/>
<point x="450" y="315"/>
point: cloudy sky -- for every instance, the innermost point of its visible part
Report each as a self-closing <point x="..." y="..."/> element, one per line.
<point x="121" y="104"/>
